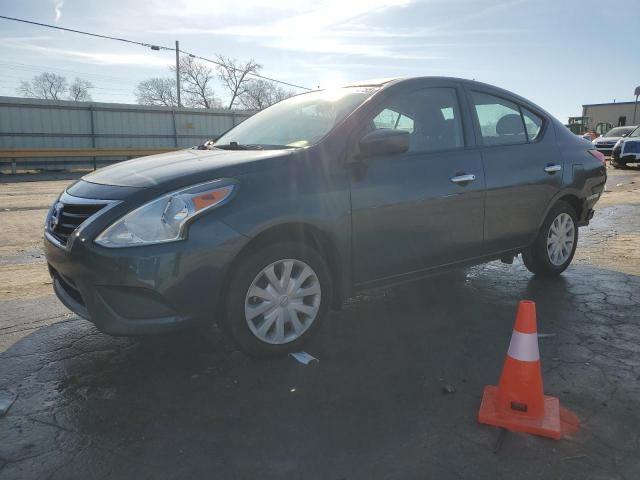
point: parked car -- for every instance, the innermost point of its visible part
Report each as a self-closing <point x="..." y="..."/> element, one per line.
<point x="317" y="197"/>
<point x="606" y="142"/>
<point x="626" y="150"/>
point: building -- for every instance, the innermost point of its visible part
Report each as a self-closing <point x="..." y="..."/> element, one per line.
<point x="608" y="115"/>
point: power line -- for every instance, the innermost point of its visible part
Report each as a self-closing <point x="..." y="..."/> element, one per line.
<point x="253" y="74"/>
<point x="148" y="45"/>
<point x="151" y="46"/>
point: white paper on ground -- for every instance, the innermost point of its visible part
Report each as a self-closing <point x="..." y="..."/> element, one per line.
<point x="6" y="400"/>
<point x="304" y="357"/>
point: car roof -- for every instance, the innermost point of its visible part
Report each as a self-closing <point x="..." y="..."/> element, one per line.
<point x="380" y="82"/>
<point x="387" y="82"/>
<point x="392" y="81"/>
<point x="373" y="82"/>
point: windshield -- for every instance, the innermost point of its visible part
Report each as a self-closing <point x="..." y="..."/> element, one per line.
<point x="635" y="133"/>
<point x="618" y="132"/>
<point x="297" y="121"/>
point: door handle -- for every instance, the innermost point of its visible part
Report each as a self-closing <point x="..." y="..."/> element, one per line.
<point x="466" y="178"/>
<point x="552" y="168"/>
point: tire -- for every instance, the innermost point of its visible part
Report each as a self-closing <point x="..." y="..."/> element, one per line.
<point x="620" y="166"/>
<point x="548" y="260"/>
<point x="261" y="334"/>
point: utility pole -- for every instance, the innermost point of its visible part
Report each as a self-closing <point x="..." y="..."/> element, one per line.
<point x="635" y="107"/>
<point x="178" y="71"/>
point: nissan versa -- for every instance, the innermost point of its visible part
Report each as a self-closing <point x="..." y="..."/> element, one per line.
<point x="316" y="197"/>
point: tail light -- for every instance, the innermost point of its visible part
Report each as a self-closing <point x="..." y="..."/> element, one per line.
<point x="598" y="156"/>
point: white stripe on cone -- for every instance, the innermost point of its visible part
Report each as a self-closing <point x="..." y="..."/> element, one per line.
<point x="524" y="347"/>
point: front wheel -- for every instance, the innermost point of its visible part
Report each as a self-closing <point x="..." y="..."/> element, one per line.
<point x="554" y="247"/>
<point x="278" y="296"/>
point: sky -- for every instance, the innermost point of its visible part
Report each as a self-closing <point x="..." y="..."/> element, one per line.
<point x="560" y="54"/>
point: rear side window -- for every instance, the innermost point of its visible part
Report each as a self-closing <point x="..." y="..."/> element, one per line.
<point x="499" y="119"/>
<point x="533" y="124"/>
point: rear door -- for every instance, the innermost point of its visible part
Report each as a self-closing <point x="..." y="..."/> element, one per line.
<point x="522" y="168"/>
<point x="415" y="210"/>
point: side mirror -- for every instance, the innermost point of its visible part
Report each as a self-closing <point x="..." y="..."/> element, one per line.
<point x="384" y="141"/>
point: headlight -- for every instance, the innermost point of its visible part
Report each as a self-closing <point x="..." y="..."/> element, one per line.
<point x="165" y="219"/>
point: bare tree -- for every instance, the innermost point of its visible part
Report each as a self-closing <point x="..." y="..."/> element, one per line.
<point x="195" y="83"/>
<point x="259" y="94"/>
<point x="47" y="85"/>
<point x="234" y="75"/>
<point x="79" y="90"/>
<point x="157" y="91"/>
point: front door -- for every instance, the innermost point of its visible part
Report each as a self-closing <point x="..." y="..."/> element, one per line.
<point x="422" y="208"/>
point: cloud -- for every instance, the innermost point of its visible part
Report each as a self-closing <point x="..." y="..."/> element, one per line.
<point x="96" y="57"/>
<point x="58" y="9"/>
<point x="364" y="28"/>
<point x="319" y="27"/>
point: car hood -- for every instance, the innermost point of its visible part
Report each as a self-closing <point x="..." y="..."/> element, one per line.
<point x="183" y="167"/>
<point x="608" y="139"/>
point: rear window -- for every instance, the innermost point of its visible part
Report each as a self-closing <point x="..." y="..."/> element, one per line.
<point x="532" y="123"/>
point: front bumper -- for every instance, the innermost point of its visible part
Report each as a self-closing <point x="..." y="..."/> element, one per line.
<point x="607" y="151"/>
<point x="146" y="290"/>
<point x="626" y="154"/>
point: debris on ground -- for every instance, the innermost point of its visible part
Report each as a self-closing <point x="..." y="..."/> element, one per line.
<point x="546" y="335"/>
<point x="6" y="400"/>
<point x="575" y="457"/>
<point x="446" y="389"/>
<point x="304" y="357"/>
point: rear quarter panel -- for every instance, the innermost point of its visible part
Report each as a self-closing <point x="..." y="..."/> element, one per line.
<point x="583" y="175"/>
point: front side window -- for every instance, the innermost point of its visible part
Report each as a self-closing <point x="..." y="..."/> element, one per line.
<point x="499" y="119"/>
<point x="390" y="119"/>
<point x="431" y="116"/>
<point x="298" y="121"/>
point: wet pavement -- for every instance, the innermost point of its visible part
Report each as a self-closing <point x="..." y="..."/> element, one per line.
<point x="93" y="406"/>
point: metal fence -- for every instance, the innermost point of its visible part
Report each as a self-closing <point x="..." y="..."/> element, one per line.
<point x="41" y="125"/>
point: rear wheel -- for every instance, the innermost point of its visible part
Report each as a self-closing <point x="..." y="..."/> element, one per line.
<point x="278" y="297"/>
<point x="554" y="247"/>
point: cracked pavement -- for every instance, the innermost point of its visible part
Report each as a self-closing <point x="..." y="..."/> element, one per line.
<point x="187" y="406"/>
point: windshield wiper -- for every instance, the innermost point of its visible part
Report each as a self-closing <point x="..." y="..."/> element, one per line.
<point x="245" y="146"/>
<point x="239" y="146"/>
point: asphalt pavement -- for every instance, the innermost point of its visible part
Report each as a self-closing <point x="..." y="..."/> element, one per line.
<point x="394" y="395"/>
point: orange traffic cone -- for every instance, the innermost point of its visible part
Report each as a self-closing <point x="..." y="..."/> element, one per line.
<point x="519" y="403"/>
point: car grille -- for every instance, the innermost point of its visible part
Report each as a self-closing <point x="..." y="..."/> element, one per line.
<point x="66" y="217"/>
<point x="605" y="145"/>
<point x="632" y="147"/>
